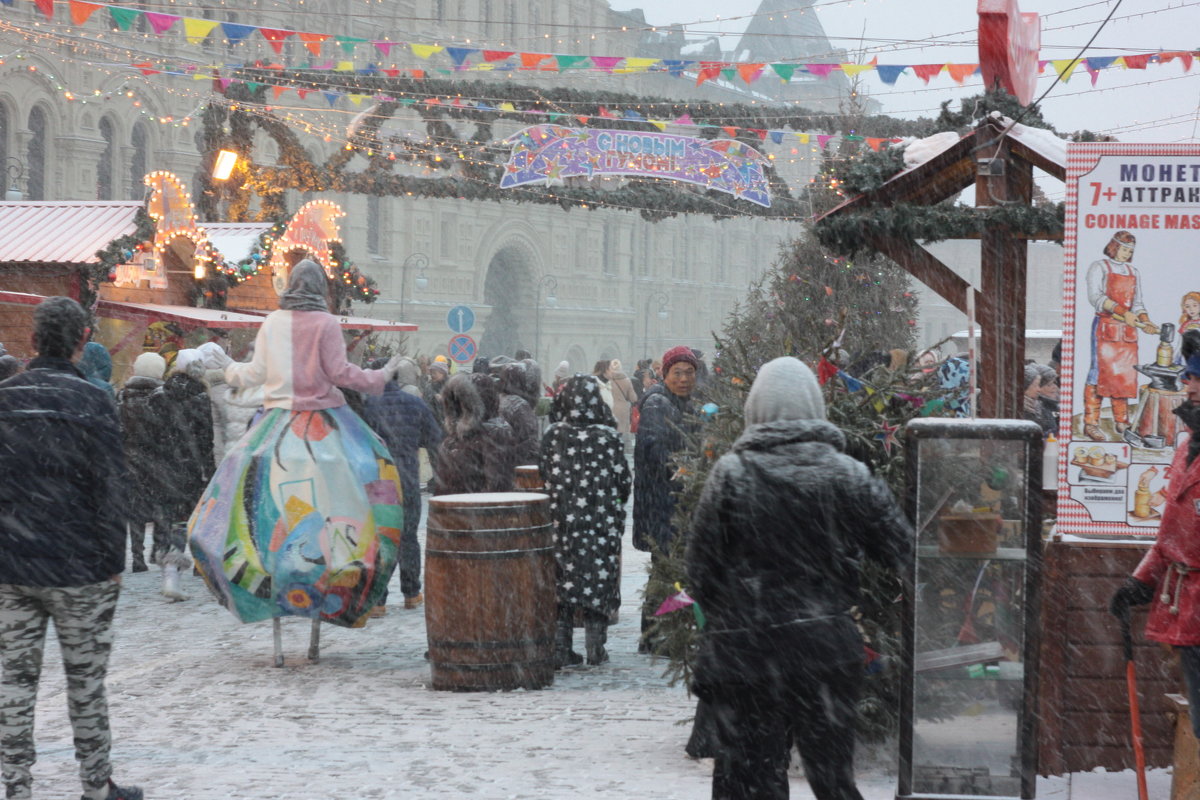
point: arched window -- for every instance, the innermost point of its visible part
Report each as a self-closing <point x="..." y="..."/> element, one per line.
<point x="138" y="161"/>
<point x="35" y="157"/>
<point x="104" y="169"/>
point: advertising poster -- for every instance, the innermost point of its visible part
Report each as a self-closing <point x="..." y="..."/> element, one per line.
<point x="1132" y="287"/>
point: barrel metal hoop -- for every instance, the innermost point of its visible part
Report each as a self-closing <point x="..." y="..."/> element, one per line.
<point x="493" y="645"/>
<point x="495" y="531"/>
<point x="472" y="507"/>
<point x="516" y="665"/>
<point x="487" y="554"/>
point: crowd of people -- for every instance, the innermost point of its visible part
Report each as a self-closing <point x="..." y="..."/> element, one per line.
<point x="252" y="468"/>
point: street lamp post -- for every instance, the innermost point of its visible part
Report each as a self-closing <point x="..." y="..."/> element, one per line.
<point x="662" y="299"/>
<point x="549" y="283"/>
<point x="15" y="170"/>
<point x="420" y="261"/>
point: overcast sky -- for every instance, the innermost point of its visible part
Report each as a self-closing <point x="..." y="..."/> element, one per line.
<point x="1158" y="104"/>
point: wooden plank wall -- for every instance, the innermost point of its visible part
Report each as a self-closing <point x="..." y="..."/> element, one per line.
<point x="1083" y="701"/>
<point x="256" y="294"/>
<point x="16" y="321"/>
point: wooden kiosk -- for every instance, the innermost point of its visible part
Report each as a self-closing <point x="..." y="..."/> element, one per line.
<point x="158" y="299"/>
<point x="1082" y="702"/>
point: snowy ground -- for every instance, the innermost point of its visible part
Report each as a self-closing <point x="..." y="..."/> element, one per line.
<point x="199" y="713"/>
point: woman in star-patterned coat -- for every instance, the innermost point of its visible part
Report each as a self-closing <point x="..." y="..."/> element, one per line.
<point x="583" y="467"/>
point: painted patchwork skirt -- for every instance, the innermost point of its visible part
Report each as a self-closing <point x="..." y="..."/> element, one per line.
<point x="302" y="518"/>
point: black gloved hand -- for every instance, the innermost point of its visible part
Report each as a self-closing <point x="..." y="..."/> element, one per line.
<point x="1132" y="593"/>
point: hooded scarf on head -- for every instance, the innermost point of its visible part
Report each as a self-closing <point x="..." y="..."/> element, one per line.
<point x="785" y="388"/>
<point x="407" y="371"/>
<point x="489" y="393"/>
<point x="579" y="403"/>
<point x="562" y="370"/>
<point x="307" y="288"/>
<point x="511" y="378"/>
<point x="96" y="365"/>
<point x="532" y="381"/>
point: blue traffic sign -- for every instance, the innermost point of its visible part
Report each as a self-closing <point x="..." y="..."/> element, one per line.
<point x="460" y="319"/>
<point x="462" y="348"/>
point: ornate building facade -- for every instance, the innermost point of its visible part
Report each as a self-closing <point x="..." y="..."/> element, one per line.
<point x="76" y="122"/>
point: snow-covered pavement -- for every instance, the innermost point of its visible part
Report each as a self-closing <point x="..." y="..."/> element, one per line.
<point x="199" y="713"/>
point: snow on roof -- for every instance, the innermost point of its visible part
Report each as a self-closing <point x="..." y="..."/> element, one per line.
<point x="187" y="316"/>
<point x="1039" y="140"/>
<point x="918" y="151"/>
<point x="62" y="231"/>
<point x="235" y="240"/>
<point x="695" y="48"/>
<point x="371" y="324"/>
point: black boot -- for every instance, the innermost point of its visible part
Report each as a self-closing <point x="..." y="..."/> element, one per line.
<point x="595" y="633"/>
<point x="137" y="546"/>
<point x="564" y="630"/>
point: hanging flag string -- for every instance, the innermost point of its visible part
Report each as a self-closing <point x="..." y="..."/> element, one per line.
<point x="482" y="59"/>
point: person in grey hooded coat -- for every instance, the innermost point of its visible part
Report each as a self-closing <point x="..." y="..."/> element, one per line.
<point x="773" y="560"/>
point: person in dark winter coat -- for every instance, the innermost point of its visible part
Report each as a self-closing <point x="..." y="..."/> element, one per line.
<point x="9" y="366"/>
<point x="62" y="548"/>
<point x="477" y="454"/>
<point x="1041" y="397"/>
<point x="518" y="413"/>
<point x="773" y="561"/>
<point x="146" y="451"/>
<point x="406" y="424"/>
<point x="183" y="405"/>
<point x="439" y="373"/>
<point x="665" y="417"/>
<point x="665" y="410"/>
<point x="583" y="468"/>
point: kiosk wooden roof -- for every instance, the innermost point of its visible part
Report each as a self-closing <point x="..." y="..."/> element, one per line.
<point x="998" y="158"/>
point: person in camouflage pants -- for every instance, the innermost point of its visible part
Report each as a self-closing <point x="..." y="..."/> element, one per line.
<point x="83" y="618"/>
<point x="62" y="548"/>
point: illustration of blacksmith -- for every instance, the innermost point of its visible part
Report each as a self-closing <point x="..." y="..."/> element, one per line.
<point x="1115" y="292"/>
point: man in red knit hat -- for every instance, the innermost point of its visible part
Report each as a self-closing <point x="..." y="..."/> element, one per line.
<point x="666" y="411"/>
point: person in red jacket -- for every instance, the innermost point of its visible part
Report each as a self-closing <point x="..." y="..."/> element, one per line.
<point x="1168" y="576"/>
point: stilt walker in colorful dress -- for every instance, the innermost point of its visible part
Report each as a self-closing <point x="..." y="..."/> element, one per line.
<point x="303" y="516"/>
<point x="1114" y="291"/>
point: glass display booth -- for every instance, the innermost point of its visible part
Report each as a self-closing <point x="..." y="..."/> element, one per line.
<point x="968" y="724"/>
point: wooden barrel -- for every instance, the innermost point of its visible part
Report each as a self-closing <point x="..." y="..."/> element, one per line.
<point x="528" y="479"/>
<point x="490" y="591"/>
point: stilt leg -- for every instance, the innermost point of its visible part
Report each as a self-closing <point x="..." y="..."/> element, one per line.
<point x="314" y="642"/>
<point x="277" y="634"/>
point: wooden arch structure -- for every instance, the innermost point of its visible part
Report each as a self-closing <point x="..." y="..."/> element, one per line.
<point x="1000" y="166"/>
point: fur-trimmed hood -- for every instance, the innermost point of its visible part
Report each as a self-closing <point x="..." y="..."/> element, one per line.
<point x="462" y="405"/>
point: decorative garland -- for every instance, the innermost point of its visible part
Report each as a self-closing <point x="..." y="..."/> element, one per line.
<point x="477" y="177"/>
<point x="850" y="233"/>
<point x="352" y="285"/>
<point x="253" y="263"/>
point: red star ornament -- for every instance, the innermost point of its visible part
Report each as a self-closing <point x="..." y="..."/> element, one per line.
<point x="887" y="435"/>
